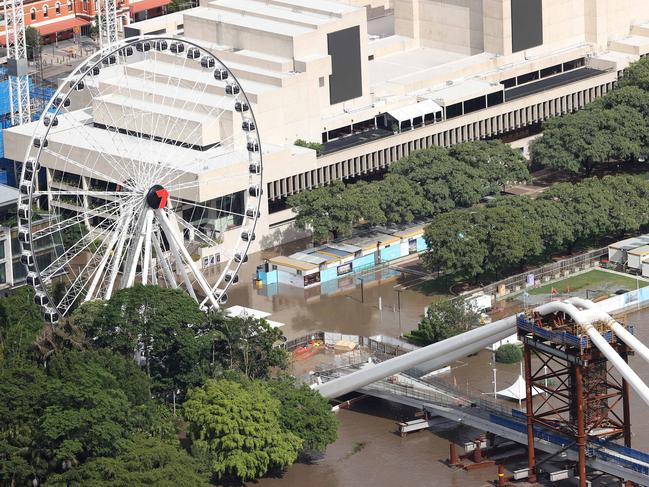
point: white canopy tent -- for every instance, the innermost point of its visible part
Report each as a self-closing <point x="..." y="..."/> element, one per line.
<point x="517" y="390"/>
<point x="416" y="110"/>
<point x="243" y="312"/>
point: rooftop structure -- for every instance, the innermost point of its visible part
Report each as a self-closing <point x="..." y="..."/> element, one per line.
<point x="433" y="72"/>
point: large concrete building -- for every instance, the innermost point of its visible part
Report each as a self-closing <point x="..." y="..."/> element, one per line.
<point x="421" y="73"/>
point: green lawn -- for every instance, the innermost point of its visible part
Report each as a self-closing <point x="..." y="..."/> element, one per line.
<point x="595" y="280"/>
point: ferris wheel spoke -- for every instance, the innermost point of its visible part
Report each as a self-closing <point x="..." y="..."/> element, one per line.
<point x="115" y="126"/>
<point x="74" y="251"/>
<point x="99" y="194"/>
<point x="194" y="183"/>
<point x="80" y="130"/>
<point x="80" y="282"/>
<point x="191" y="228"/>
<point x="109" y="208"/>
<point x="168" y="129"/>
<point x="83" y="167"/>
<point x="198" y="205"/>
<point x="104" y="260"/>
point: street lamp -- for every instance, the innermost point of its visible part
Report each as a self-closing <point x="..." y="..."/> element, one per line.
<point x="362" y="279"/>
<point x="398" y="290"/>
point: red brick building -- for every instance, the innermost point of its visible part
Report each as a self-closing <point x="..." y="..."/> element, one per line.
<point x="57" y="20"/>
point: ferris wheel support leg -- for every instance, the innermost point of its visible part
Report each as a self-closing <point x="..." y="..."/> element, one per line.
<point x="100" y="268"/>
<point x="146" y="260"/>
<point x="134" y="252"/>
<point x="117" y="258"/>
<point x="166" y="227"/>
<point x="171" y="280"/>
<point x="181" y="268"/>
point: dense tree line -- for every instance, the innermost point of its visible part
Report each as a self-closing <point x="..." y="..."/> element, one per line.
<point x="613" y="129"/>
<point x="424" y="184"/>
<point x="77" y="409"/>
<point x="511" y="232"/>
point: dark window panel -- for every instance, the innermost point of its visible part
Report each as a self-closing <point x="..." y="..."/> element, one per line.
<point x="345" y="81"/>
<point x="495" y="98"/>
<point x="453" y="111"/>
<point x="527" y="24"/>
<point x="475" y="104"/>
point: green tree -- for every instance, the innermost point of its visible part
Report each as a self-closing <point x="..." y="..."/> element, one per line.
<point x="366" y="198"/>
<point x="581" y="141"/>
<point x="455" y="243"/>
<point x="22" y="391"/>
<point x="235" y="429"/>
<point x="246" y="344"/>
<point x="90" y="403"/>
<point x="587" y="205"/>
<point x="443" y="181"/>
<point x="444" y="320"/>
<point x="165" y="326"/>
<point x="20" y="324"/>
<point x="629" y="96"/>
<point x="548" y="216"/>
<point x="305" y="413"/>
<point x="143" y="461"/>
<point x="637" y="75"/>
<point x="499" y="163"/>
<point x="83" y="405"/>
<point x="325" y="211"/>
<point x="512" y="238"/>
<point x="400" y="201"/>
<point x="509" y="354"/>
<point x="33" y="42"/>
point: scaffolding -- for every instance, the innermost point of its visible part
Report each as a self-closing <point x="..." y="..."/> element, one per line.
<point x="17" y="67"/>
<point x="584" y="397"/>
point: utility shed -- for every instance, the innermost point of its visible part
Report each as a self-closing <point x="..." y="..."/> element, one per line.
<point x="617" y="252"/>
<point x="637" y="256"/>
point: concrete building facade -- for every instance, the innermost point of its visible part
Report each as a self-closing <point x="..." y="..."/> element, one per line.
<point x="426" y="72"/>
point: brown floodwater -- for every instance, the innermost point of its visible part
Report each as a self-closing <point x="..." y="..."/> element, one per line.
<point x="352" y="311"/>
<point x="368" y="452"/>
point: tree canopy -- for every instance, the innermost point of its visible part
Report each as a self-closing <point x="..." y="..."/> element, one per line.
<point x="444" y="320"/>
<point x="305" y="413"/>
<point x="511" y="232"/>
<point x="144" y="460"/>
<point x="613" y="129"/>
<point x="424" y="184"/>
<point x="78" y="409"/>
<point x="235" y="429"/>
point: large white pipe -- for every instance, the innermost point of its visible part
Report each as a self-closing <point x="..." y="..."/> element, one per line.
<point x="624" y="335"/>
<point x="619" y="363"/>
<point x="584" y="318"/>
<point x="438" y="354"/>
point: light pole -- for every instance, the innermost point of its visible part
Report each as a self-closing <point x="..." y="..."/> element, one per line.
<point x="362" y="289"/>
<point x="399" y="309"/>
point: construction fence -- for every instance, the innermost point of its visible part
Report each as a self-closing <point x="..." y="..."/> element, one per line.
<point x="545" y="274"/>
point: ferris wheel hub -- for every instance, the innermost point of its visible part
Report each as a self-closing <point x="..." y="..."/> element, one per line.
<point x="157" y="197"/>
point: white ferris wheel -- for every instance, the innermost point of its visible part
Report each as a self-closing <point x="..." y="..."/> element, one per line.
<point x="146" y="167"/>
